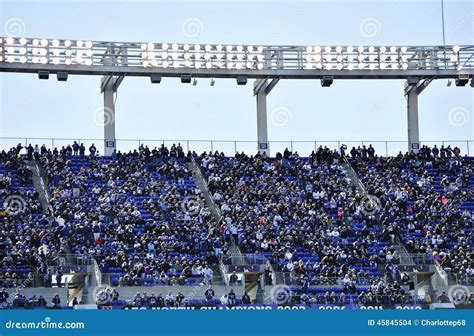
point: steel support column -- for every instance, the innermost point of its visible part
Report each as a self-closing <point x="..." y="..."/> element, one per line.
<point x="110" y="144"/>
<point x="262" y="129"/>
<point x="412" y="119"/>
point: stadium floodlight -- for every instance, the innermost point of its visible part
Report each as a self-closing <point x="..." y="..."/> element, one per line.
<point x="371" y="49"/>
<point x="242" y="80"/>
<point x="461" y="80"/>
<point x="186" y="79"/>
<point x="350" y="49"/>
<point x="62" y="76"/>
<point x="326" y="81"/>
<point x="43" y="74"/>
<point x="456" y="49"/>
<point x="23" y="41"/>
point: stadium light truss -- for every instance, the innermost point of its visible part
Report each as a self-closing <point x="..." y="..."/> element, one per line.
<point x="418" y="65"/>
<point x="220" y="61"/>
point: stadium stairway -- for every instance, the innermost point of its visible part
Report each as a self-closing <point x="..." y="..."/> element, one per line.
<point x="40" y="185"/>
<point x="423" y="283"/>
<point x="201" y="183"/>
<point x="351" y="173"/>
<point x="76" y="282"/>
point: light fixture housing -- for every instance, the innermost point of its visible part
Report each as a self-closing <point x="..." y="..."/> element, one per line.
<point x="155" y="79"/>
<point x="326" y="81"/>
<point x="242" y="80"/>
<point x="43" y="74"/>
<point x="186" y="79"/>
<point x="62" y="76"/>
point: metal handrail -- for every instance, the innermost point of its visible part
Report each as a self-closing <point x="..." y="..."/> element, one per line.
<point x="381" y="146"/>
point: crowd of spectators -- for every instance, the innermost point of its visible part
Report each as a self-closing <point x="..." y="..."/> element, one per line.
<point x="28" y="239"/>
<point x="142" y="217"/>
<point x="111" y="297"/>
<point x="297" y="211"/>
<point x="427" y="203"/>
<point x="20" y="300"/>
<point x="139" y="214"/>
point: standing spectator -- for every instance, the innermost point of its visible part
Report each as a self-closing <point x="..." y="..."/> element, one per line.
<point x="233" y="279"/>
<point x="209" y="293"/>
<point x="246" y="298"/>
<point x="75" y="148"/>
<point x="3" y="296"/>
<point x="92" y="150"/>
<point x="231" y="298"/>
<point x="59" y="275"/>
<point x="56" y="301"/>
<point x="268" y="276"/>
<point x="82" y="150"/>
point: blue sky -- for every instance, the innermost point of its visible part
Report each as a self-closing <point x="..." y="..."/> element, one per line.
<point x="348" y="110"/>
